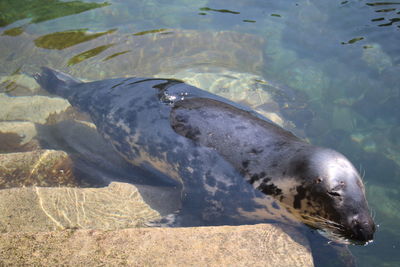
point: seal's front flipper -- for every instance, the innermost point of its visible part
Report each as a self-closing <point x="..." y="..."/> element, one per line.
<point x="179" y="218"/>
<point x="170" y="220"/>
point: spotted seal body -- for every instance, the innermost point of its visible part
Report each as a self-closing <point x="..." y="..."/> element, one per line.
<point x="235" y="166"/>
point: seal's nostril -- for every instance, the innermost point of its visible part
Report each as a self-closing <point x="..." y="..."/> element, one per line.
<point x="334" y="194"/>
<point x="355" y="223"/>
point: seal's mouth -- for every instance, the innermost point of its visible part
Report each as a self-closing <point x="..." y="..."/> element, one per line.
<point x="357" y="233"/>
<point x="362" y="230"/>
<point x="342" y="239"/>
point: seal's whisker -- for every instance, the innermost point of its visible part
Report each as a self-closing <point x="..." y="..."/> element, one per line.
<point x="322" y="223"/>
<point x="332" y="226"/>
<point x="362" y="172"/>
<point x="334" y="236"/>
<point x="330" y="223"/>
<point x="373" y="213"/>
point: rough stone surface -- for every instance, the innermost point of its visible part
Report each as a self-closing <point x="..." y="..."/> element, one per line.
<point x="33" y="108"/>
<point x="17" y="136"/>
<point x="44" y="209"/>
<point x="257" y="245"/>
<point x="39" y="167"/>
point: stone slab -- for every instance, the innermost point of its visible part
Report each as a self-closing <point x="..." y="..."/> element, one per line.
<point x="256" y="245"/>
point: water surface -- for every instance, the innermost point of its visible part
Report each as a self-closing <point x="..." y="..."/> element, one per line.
<point x="342" y="57"/>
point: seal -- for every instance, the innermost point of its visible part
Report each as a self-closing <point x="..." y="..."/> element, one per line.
<point x="235" y="166"/>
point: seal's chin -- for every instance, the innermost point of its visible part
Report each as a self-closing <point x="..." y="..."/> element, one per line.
<point x="335" y="237"/>
<point x="342" y="238"/>
<point x="357" y="230"/>
<point x="362" y="229"/>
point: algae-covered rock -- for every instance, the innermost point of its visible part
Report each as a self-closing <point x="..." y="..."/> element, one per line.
<point x="43" y="10"/>
<point x="343" y="118"/>
<point x="304" y="76"/>
<point x="376" y="58"/>
<point x="40" y="167"/>
<point x="385" y="202"/>
<point x="44" y="209"/>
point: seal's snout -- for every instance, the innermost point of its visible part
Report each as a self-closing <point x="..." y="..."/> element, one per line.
<point x="363" y="229"/>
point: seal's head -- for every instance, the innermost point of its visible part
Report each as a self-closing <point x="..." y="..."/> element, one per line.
<point x="331" y="196"/>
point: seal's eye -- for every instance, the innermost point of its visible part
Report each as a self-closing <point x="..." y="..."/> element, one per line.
<point x="318" y="180"/>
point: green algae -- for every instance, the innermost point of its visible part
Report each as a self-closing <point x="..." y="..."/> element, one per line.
<point x="382" y="3"/>
<point x="62" y="40"/>
<point x="14" y="31"/>
<point x="354" y="40"/>
<point x="219" y="10"/>
<point x="149" y="32"/>
<point x="249" y="20"/>
<point x="116" y="54"/>
<point x="88" y="54"/>
<point x="41" y="10"/>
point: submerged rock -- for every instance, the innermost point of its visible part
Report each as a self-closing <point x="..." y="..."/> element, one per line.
<point x="245" y="88"/>
<point x="386" y="204"/>
<point x="256" y="245"/>
<point x="44" y="209"/>
<point x="305" y="77"/>
<point x="137" y="54"/>
<point x="272" y="100"/>
<point x="40" y="167"/>
<point x="17" y="136"/>
<point x="19" y="84"/>
<point x="376" y="58"/>
<point x="30" y="108"/>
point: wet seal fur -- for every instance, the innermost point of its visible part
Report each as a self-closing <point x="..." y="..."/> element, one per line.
<point x="235" y="166"/>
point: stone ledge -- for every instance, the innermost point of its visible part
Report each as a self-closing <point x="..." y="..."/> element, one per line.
<point x="256" y="245"/>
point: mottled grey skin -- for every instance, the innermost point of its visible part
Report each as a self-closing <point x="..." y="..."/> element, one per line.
<point x="235" y="165"/>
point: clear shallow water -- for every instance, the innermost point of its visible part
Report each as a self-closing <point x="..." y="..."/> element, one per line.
<point x="344" y="56"/>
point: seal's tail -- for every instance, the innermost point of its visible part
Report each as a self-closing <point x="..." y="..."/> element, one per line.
<point x="55" y="82"/>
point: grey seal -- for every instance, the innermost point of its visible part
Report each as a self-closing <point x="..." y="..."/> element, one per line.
<point x="235" y="166"/>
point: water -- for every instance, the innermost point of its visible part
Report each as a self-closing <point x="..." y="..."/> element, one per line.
<point x="343" y="57"/>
